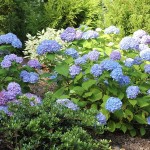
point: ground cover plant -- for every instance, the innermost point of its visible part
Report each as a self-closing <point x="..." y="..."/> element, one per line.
<point x="94" y="70"/>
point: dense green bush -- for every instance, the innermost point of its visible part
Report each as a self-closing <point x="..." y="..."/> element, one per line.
<point x="129" y="15"/>
<point x="50" y="126"/>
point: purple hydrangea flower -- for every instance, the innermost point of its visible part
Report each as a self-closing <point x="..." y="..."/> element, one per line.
<point x="11" y="57"/>
<point x="4" y="109"/>
<point x="124" y="80"/>
<point x="34" y="63"/>
<point x="3" y="98"/>
<point x="5" y="63"/>
<point x="145" y="54"/>
<point x="129" y="62"/>
<point x="147" y="68"/>
<point x="48" y="46"/>
<point x="139" y="33"/>
<point x="67" y="103"/>
<point x="116" y="74"/>
<point x="109" y="64"/>
<point x="19" y="60"/>
<point x="74" y="70"/>
<point x="132" y="92"/>
<point x="96" y="70"/>
<point x="145" y="39"/>
<point x="115" y="55"/>
<point x="80" y="60"/>
<point x="72" y="52"/>
<point x="128" y="43"/>
<point x="93" y="55"/>
<point x="78" y="34"/>
<point x="69" y="34"/>
<point x="101" y="118"/>
<point x="148" y="120"/>
<point x="112" y="30"/>
<point x="14" y="88"/>
<point x="90" y="34"/>
<point x="143" y="47"/>
<point x="113" y="104"/>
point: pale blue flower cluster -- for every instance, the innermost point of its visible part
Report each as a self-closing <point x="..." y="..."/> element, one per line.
<point x="116" y="74"/>
<point x="67" y="103"/>
<point x="109" y="64"/>
<point x="78" y="34"/>
<point x="69" y="34"/>
<point x="74" y="70"/>
<point x="129" y="62"/>
<point x="101" y="118"/>
<point x="145" y="39"/>
<point x="137" y="60"/>
<point x="30" y="77"/>
<point x="4" y="109"/>
<point x="53" y="76"/>
<point x="124" y="80"/>
<point x="93" y="55"/>
<point x="48" y="46"/>
<point x="113" y="104"/>
<point x="132" y="92"/>
<point x="145" y="54"/>
<point x="147" y="68"/>
<point x="34" y="63"/>
<point x="112" y="30"/>
<point x="8" y="59"/>
<point x="143" y="47"/>
<point x="129" y="43"/>
<point x="90" y="34"/>
<point x="139" y="33"/>
<point x="115" y="55"/>
<point x="96" y="70"/>
<point x="80" y="60"/>
<point x="12" y="39"/>
<point x="72" y="52"/>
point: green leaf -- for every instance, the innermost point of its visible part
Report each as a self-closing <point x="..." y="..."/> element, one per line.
<point x="87" y="84"/>
<point x="105" y="98"/>
<point x="50" y="57"/>
<point x="62" y="69"/>
<point x="133" y="102"/>
<point x="94" y="106"/>
<point x="45" y="75"/>
<point x="111" y="126"/>
<point x="123" y="128"/>
<point x="87" y="44"/>
<point x="82" y="103"/>
<point x="59" y="92"/>
<point x="3" y="71"/>
<point x="128" y="114"/>
<point x="77" y="78"/>
<point x="140" y="119"/>
<point x="88" y="94"/>
<point x="142" y="131"/>
<point x="133" y="132"/>
<point x="78" y="89"/>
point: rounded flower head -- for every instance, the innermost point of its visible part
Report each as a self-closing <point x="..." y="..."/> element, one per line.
<point x="113" y="104"/>
<point x="101" y="118"/>
<point x="145" y="39"/>
<point x="145" y="54"/>
<point x="143" y="47"/>
<point x="137" y="60"/>
<point x="67" y="103"/>
<point x="78" y="34"/>
<point x="90" y="34"/>
<point x="109" y="64"/>
<point x="128" y="43"/>
<point x="80" y="60"/>
<point x="93" y="55"/>
<point x="74" y="70"/>
<point x="147" y="68"/>
<point x="5" y="64"/>
<point x="112" y="30"/>
<point x="139" y="33"/>
<point x="19" y="60"/>
<point x="34" y="77"/>
<point x="3" y="98"/>
<point x="124" y="80"/>
<point x="129" y="62"/>
<point x="14" y="88"/>
<point x="96" y="70"/>
<point x="72" y="52"/>
<point x="115" y="55"/>
<point x="34" y="63"/>
<point x="116" y="74"/>
<point x="48" y="46"/>
<point x="69" y="34"/>
<point x="132" y="92"/>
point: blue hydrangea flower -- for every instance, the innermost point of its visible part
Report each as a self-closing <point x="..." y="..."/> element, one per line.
<point x="145" y="39"/>
<point x="14" y="88"/>
<point x="19" y="60"/>
<point x="137" y="60"/>
<point x="96" y="70"/>
<point x="4" y="109"/>
<point x="148" y="92"/>
<point x="116" y="74"/>
<point x="72" y="52"/>
<point x="139" y="33"/>
<point x="115" y="55"/>
<point x="74" y="70"/>
<point x="124" y="80"/>
<point x="128" y="43"/>
<point x="145" y="54"/>
<point x="34" y="63"/>
<point x="101" y="118"/>
<point x="80" y="60"/>
<point x="148" y="120"/>
<point x="67" y="103"/>
<point x="143" y="47"/>
<point x="113" y="104"/>
<point x="3" y="98"/>
<point x="90" y="34"/>
<point x="93" y="55"/>
<point x="53" y="76"/>
<point x="34" y="77"/>
<point x="12" y="39"/>
<point x="78" y="34"/>
<point x="48" y="46"/>
<point x="132" y="92"/>
<point x="5" y="63"/>
<point x="11" y="57"/>
<point x="147" y="68"/>
<point x="85" y="56"/>
<point x="129" y="62"/>
<point x="69" y="34"/>
<point x="109" y="64"/>
<point x="112" y="30"/>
